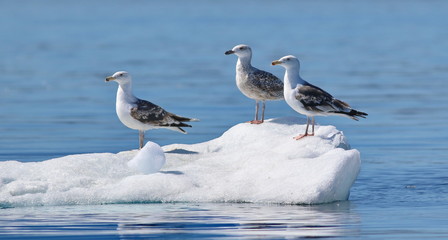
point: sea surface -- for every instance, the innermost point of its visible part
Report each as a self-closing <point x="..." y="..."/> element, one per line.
<point x="386" y="58"/>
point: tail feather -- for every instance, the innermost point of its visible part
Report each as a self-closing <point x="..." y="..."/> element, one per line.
<point x="176" y="127"/>
<point x="177" y="122"/>
<point x="180" y="130"/>
<point x="184" y="119"/>
<point x="354" y="114"/>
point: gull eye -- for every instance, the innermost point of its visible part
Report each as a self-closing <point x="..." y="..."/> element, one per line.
<point x="241" y="48"/>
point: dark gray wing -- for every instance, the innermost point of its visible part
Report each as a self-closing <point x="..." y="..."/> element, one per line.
<point x="147" y="112"/>
<point x="315" y="99"/>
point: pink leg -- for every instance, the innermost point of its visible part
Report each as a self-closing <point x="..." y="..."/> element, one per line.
<point x="256" y="121"/>
<point x="306" y="130"/>
<point x="302" y="136"/>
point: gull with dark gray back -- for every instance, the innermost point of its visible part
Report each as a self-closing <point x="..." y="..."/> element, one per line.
<point x="140" y="114"/>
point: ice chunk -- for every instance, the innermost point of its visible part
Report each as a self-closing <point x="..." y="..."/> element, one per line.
<point x="150" y="159"/>
<point x="248" y="163"/>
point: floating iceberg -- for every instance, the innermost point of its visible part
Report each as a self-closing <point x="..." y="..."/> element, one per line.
<point x="248" y="163"/>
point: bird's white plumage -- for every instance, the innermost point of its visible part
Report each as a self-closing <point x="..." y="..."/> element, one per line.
<point x="290" y="94"/>
<point x="126" y="101"/>
<point x="142" y="115"/>
<point x="308" y="99"/>
<point x="292" y="83"/>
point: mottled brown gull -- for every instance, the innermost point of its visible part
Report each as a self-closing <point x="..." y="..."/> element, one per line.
<point x="255" y="83"/>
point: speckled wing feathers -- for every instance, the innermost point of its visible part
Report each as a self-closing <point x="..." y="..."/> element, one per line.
<point x="267" y="82"/>
<point x="149" y="113"/>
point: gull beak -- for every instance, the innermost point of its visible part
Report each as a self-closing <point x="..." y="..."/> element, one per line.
<point x="229" y="52"/>
<point x="108" y="79"/>
<point x="276" y="62"/>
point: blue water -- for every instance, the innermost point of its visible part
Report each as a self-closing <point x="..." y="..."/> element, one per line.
<point x="387" y="58"/>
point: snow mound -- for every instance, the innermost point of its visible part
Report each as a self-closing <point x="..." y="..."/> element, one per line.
<point x="150" y="159"/>
<point x="248" y="163"/>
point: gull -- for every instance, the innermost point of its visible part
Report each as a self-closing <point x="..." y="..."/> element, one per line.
<point x="255" y="83"/>
<point x="310" y="100"/>
<point x="140" y="114"/>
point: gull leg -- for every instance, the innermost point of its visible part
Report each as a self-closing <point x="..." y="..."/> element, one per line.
<point x="306" y="130"/>
<point x="256" y="110"/>
<point x="256" y="121"/>
<point x="312" y="134"/>
<point x="141" y="138"/>
<point x="262" y="111"/>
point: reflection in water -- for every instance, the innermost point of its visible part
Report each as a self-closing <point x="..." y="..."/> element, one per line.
<point x="242" y="221"/>
<point x="181" y="220"/>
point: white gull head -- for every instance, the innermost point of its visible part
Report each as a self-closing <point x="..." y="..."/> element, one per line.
<point x="120" y="77"/>
<point x="242" y="51"/>
<point x="288" y="62"/>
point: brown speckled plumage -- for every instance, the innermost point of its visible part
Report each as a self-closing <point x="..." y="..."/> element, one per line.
<point x="255" y="83"/>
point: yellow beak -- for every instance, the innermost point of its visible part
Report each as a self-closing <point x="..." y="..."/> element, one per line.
<point x="110" y="79"/>
<point x="276" y="62"/>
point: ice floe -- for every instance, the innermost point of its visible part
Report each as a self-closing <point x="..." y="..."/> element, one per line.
<point x="248" y="163"/>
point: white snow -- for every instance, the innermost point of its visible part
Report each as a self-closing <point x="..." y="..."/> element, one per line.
<point x="150" y="159"/>
<point x="248" y="163"/>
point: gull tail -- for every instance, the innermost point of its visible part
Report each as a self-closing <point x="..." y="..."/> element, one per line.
<point x="353" y="114"/>
<point x="179" y="123"/>
<point x="184" y="119"/>
<point x="345" y="110"/>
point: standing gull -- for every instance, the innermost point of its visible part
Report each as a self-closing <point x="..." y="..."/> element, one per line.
<point x="142" y="115"/>
<point x="254" y="83"/>
<point x="308" y="99"/>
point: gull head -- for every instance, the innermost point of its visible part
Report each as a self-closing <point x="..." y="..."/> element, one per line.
<point x="287" y="62"/>
<point x="120" y="77"/>
<point x="240" y="50"/>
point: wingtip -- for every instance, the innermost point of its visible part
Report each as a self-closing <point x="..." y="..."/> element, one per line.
<point x="182" y="130"/>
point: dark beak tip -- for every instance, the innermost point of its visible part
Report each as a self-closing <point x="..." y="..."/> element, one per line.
<point x="229" y="52"/>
